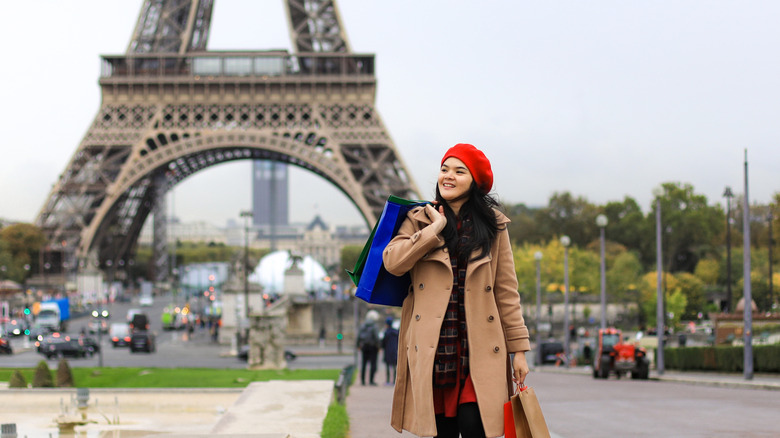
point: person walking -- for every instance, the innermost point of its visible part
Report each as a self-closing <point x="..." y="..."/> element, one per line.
<point x="368" y="343"/>
<point x="463" y="337"/>
<point x="390" y="349"/>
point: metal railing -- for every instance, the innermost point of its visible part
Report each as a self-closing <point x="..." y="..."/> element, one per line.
<point x="236" y="64"/>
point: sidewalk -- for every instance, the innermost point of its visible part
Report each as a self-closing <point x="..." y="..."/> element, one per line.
<point x="369" y="406"/>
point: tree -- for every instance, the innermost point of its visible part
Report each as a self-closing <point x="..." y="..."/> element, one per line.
<point x="623" y="276"/>
<point x="567" y="215"/>
<point x="689" y="227"/>
<point x="64" y="374"/>
<point x="17" y="380"/>
<point x="42" y="377"/>
<point x="674" y="299"/>
<point x="708" y="271"/>
<point x="19" y="246"/>
<point x="523" y="227"/>
<point x="693" y="289"/>
<point x="349" y="256"/>
<point x="627" y="224"/>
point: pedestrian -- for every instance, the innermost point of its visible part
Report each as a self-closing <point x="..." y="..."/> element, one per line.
<point x="368" y="343"/>
<point x="390" y="350"/>
<point x="462" y="329"/>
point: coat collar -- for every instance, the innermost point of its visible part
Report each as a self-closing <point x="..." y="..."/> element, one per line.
<point x="419" y="215"/>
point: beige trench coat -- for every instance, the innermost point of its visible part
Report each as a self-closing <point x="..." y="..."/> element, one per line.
<point x="493" y="318"/>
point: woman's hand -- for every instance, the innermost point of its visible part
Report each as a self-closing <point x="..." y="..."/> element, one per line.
<point x="438" y="219"/>
<point x="519" y="368"/>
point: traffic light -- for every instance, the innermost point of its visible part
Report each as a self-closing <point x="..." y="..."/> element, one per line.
<point x="339" y="336"/>
<point x="26" y="311"/>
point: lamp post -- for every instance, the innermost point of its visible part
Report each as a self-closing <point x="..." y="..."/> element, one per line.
<point x="769" y="219"/>
<point x="538" y="258"/>
<point x="565" y="241"/>
<point x="728" y="195"/>
<point x="602" y="221"/>
<point x="246" y="214"/>
<point x="659" y="308"/>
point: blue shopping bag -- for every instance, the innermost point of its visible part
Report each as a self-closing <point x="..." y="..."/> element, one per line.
<point x="374" y="284"/>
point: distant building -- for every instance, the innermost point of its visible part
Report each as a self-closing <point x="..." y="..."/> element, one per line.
<point x="315" y="239"/>
<point x="270" y="193"/>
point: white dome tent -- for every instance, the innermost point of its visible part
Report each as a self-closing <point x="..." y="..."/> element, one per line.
<point x="270" y="273"/>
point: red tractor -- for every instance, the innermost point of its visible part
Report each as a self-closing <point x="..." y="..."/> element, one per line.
<point x="614" y="356"/>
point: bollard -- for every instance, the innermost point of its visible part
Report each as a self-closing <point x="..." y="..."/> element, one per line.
<point x="8" y="430"/>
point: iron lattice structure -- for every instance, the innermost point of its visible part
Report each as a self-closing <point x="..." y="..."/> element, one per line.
<point x="170" y="108"/>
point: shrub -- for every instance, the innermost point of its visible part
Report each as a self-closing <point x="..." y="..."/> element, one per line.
<point x="42" y="378"/>
<point x="17" y="380"/>
<point x="64" y="375"/>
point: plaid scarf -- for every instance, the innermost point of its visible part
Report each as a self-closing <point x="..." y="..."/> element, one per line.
<point x="451" y="363"/>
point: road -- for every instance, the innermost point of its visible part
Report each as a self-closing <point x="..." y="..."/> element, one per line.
<point x="175" y="349"/>
<point x="577" y="406"/>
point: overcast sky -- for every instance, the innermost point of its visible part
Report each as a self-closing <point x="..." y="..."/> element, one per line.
<point x="604" y="99"/>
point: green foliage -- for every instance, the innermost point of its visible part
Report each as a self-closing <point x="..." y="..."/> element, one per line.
<point x="690" y="226"/>
<point x="708" y="271"/>
<point x="336" y="423"/>
<point x="64" y="375"/>
<point x="349" y="256"/>
<point x="17" y="380"/>
<point x="583" y="269"/>
<point x="693" y="289"/>
<point x="674" y="299"/>
<point x="623" y="277"/>
<point x="42" y="378"/>
<point x="766" y="359"/>
<point x="19" y="246"/>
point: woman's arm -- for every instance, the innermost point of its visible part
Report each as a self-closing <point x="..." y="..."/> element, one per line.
<point x="507" y="298"/>
<point x="411" y="243"/>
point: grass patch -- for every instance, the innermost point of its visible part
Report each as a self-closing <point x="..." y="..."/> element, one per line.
<point x="336" y="423"/>
<point x="177" y="377"/>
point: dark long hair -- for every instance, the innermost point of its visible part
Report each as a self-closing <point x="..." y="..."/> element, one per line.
<point x="479" y="207"/>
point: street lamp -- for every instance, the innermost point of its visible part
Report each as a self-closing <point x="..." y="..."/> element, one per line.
<point x="659" y="310"/>
<point x="728" y="195"/>
<point x="769" y="219"/>
<point x="602" y="221"/>
<point x="246" y="214"/>
<point x="538" y="258"/>
<point x="565" y="241"/>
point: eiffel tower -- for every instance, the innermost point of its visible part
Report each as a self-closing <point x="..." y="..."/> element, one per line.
<point x="170" y="108"/>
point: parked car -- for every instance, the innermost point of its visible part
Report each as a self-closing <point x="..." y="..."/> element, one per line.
<point x="142" y="340"/>
<point x="90" y="344"/>
<point x="16" y="327"/>
<point x="139" y="322"/>
<point x="38" y="332"/>
<point x="5" y="346"/>
<point x="120" y="334"/>
<point x="550" y="350"/>
<point x="57" y="345"/>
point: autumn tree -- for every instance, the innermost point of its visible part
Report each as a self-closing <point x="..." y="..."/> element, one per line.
<point x="20" y="244"/>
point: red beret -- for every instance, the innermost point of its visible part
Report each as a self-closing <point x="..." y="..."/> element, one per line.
<point x="476" y="161"/>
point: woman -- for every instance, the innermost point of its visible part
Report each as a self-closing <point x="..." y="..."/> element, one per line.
<point x="462" y="318"/>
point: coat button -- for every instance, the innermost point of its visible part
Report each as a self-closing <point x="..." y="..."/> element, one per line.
<point x="488" y="288"/>
<point x="422" y="286"/>
<point x="495" y="349"/>
<point x="415" y="348"/>
<point x="490" y="318"/>
<point x="417" y="317"/>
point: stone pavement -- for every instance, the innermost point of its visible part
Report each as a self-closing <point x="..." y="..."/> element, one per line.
<point x="369" y="406"/>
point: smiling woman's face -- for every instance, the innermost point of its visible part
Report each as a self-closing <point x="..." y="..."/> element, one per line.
<point x="454" y="181"/>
